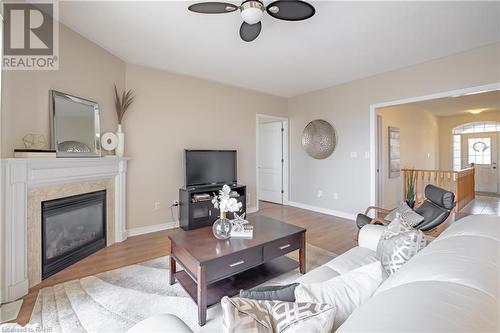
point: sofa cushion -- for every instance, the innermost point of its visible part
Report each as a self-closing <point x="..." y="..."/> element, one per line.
<point x="319" y="274"/>
<point x="345" y="292"/>
<point x="427" y="306"/>
<point x="352" y="259"/>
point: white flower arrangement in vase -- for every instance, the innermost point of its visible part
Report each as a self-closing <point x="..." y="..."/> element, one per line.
<point x="224" y="202"/>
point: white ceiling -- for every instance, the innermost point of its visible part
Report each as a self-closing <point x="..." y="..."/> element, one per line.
<point x="344" y="41"/>
<point x="452" y="106"/>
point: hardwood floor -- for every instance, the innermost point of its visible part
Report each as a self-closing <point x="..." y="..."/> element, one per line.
<point x="331" y="233"/>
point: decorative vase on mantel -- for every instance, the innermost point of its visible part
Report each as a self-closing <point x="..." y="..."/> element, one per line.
<point x="222" y="227"/>
<point x="120" y="147"/>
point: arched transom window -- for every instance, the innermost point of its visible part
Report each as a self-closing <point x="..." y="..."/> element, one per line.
<point x="478" y="127"/>
<point x="478" y="149"/>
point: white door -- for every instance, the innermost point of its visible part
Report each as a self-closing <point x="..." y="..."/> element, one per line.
<point x="271" y="162"/>
<point x="481" y="149"/>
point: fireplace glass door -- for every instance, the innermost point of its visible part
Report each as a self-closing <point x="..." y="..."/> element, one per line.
<point x="72" y="228"/>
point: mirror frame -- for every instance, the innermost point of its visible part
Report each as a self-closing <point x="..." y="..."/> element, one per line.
<point x="96" y="150"/>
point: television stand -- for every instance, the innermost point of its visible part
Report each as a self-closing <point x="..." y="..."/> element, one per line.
<point x="197" y="210"/>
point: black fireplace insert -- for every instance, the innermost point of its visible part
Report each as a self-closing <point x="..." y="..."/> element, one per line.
<point x="72" y="229"/>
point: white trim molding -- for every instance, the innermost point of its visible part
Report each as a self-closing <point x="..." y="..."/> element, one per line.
<point x="151" y="228"/>
<point x="251" y="210"/>
<point x="326" y="211"/>
<point x="19" y="176"/>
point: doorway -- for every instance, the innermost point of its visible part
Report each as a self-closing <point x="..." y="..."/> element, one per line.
<point x="272" y="159"/>
<point x="472" y="91"/>
<point x="481" y="149"/>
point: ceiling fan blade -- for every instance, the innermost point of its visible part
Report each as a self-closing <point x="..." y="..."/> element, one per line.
<point x="248" y="32"/>
<point x="213" y="7"/>
<point x="290" y="10"/>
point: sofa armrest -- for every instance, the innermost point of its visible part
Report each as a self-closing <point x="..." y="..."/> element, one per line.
<point x="369" y="236"/>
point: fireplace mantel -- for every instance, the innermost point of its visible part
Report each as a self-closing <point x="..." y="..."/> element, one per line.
<point x="19" y="176"/>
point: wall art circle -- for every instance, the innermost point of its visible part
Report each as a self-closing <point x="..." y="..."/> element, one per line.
<point x="109" y="141"/>
<point x="319" y="139"/>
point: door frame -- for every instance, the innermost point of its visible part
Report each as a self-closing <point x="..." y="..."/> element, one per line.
<point x="284" y="120"/>
<point x="373" y="123"/>
<point x="379" y="161"/>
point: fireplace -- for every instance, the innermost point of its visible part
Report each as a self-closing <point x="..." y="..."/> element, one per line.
<point x="72" y="228"/>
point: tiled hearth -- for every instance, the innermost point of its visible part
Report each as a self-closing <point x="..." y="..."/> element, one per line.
<point x="29" y="182"/>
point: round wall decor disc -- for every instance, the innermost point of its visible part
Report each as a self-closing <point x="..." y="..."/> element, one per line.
<point x="319" y="139"/>
<point x="109" y="141"/>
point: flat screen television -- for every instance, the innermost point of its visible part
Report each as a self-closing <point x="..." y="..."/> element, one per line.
<point x="210" y="167"/>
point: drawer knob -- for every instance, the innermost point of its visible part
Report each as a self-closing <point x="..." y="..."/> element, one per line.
<point x="237" y="263"/>
<point x="284" y="246"/>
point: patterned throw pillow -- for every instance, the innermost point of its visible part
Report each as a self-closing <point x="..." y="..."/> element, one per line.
<point x="400" y="209"/>
<point x="411" y="218"/>
<point x="241" y="315"/>
<point x="398" y="244"/>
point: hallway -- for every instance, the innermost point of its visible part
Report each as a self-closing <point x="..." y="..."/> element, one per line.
<point x="482" y="204"/>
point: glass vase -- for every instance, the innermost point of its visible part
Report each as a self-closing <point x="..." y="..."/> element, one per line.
<point x="222" y="227"/>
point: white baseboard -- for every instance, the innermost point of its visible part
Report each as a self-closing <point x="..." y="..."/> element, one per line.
<point x="151" y="228"/>
<point x="327" y="211"/>
<point x="251" y="210"/>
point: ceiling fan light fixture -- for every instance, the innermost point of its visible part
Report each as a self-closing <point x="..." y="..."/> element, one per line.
<point x="274" y="9"/>
<point x="252" y="11"/>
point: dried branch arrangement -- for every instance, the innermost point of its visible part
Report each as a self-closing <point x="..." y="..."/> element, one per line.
<point x="122" y="103"/>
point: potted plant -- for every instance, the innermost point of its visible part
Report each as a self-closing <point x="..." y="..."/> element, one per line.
<point x="122" y="104"/>
<point x="410" y="188"/>
<point x="222" y="227"/>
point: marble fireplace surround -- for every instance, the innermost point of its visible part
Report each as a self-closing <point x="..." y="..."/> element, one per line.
<point x="34" y="219"/>
<point x="29" y="181"/>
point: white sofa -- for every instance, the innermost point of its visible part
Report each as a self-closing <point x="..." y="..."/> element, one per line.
<point x="452" y="285"/>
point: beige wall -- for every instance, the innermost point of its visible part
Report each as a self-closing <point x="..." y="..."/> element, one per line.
<point x="175" y="112"/>
<point x="446" y="125"/>
<point x="347" y="107"/>
<point x="419" y="146"/>
<point x="85" y="70"/>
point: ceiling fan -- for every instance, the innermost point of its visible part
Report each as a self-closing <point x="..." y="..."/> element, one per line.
<point x="252" y="12"/>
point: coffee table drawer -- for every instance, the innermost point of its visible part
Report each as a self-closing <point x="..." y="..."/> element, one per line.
<point x="234" y="263"/>
<point x="281" y="247"/>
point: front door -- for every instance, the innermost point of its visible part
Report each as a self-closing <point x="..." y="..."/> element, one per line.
<point x="481" y="149"/>
<point x="271" y="162"/>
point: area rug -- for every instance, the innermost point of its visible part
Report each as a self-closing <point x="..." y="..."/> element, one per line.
<point x="114" y="301"/>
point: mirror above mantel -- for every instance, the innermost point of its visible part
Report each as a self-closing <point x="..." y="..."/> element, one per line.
<point x="75" y="128"/>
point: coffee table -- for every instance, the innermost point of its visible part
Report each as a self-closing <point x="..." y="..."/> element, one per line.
<point x="215" y="268"/>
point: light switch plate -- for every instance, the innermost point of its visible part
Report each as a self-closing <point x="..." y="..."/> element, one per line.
<point x="354" y="154"/>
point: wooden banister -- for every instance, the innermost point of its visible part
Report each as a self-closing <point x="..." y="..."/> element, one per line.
<point x="460" y="182"/>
